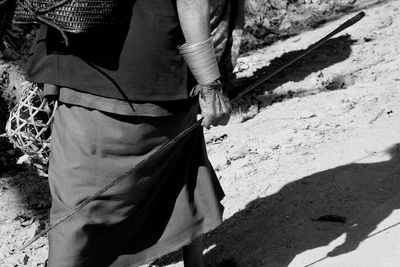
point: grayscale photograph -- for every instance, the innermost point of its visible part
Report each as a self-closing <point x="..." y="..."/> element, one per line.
<point x="199" y="133"/>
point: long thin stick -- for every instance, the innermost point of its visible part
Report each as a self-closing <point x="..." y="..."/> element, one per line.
<point x="261" y="80"/>
<point x="187" y="131"/>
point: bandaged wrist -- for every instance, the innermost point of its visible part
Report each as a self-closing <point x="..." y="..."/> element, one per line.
<point x="202" y="62"/>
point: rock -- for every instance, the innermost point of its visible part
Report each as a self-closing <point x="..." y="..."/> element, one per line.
<point x="26" y="223"/>
<point x="40" y="257"/>
<point x="306" y="114"/>
<point x="279" y="4"/>
<point x="218" y="161"/>
<point x="286" y="24"/>
<point x="217" y="139"/>
<point x="239" y="152"/>
<point x="34" y="229"/>
<point x="250" y="113"/>
<point x="275" y="146"/>
<point x="242" y="66"/>
<point x="266" y="24"/>
<point x="264" y="150"/>
<point x="25" y="259"/>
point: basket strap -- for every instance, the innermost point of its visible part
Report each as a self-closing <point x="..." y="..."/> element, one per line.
<point x="40" y="11"/>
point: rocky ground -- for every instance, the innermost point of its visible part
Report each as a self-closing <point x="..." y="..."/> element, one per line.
<point x="310" y="162"/>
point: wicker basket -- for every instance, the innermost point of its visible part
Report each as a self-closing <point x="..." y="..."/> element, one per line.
<point x="29" y="124"/>
<point x="75" y="16"/>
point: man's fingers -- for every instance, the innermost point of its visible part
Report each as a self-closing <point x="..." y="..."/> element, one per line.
<point x="207" y="122"/>
<point x="220" y="116"/>
<point x="224" y="110"/>
<point x="215" y="107"/>
<point x="226" y="104"/>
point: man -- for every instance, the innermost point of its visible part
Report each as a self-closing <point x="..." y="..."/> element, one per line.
<point x="125" y="92"/>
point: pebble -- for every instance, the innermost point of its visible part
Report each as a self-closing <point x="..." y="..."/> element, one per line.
<point x="306" y="114"/>
<point x="218" y="160"/>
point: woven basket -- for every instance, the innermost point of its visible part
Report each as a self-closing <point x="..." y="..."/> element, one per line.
<point x="75" y="16"/>
<point x="29" y="124"/>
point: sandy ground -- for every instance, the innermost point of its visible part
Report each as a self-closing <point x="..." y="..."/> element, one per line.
<point x="310" y="164"/>
<point x="314" y="178"/>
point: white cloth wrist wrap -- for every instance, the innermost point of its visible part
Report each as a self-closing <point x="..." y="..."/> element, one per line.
<point x="201" y="59"/>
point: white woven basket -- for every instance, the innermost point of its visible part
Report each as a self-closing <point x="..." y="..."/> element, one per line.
<point x="29" y="124"/>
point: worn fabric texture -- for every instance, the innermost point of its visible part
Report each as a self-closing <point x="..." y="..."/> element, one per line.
<point x="160" y="208"/>
<point x="137" y="62"/>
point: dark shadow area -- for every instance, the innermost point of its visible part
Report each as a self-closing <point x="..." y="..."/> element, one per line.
<point x="33" y="191"/>
<point x="4" y="83"/>
<point x="25" y="201"/>
<point x="271" y="231"/>
<point x="3" y="113"/>
<point x="333" y="51"/>
<point x="8" y="154"/>
<point x="277" y="228"/>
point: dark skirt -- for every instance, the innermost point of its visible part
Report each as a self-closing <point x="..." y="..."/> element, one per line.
<point x="164" y="206"/>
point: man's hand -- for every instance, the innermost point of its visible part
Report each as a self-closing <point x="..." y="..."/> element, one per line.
<point x="215" y="107"/>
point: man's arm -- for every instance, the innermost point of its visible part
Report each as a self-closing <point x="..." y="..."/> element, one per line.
<point x="194" y="17"/>
<point x="232" y="49"/>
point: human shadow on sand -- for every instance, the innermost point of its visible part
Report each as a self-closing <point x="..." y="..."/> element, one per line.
<point x="333" y="51"/>
<point x="271" y="231"/>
